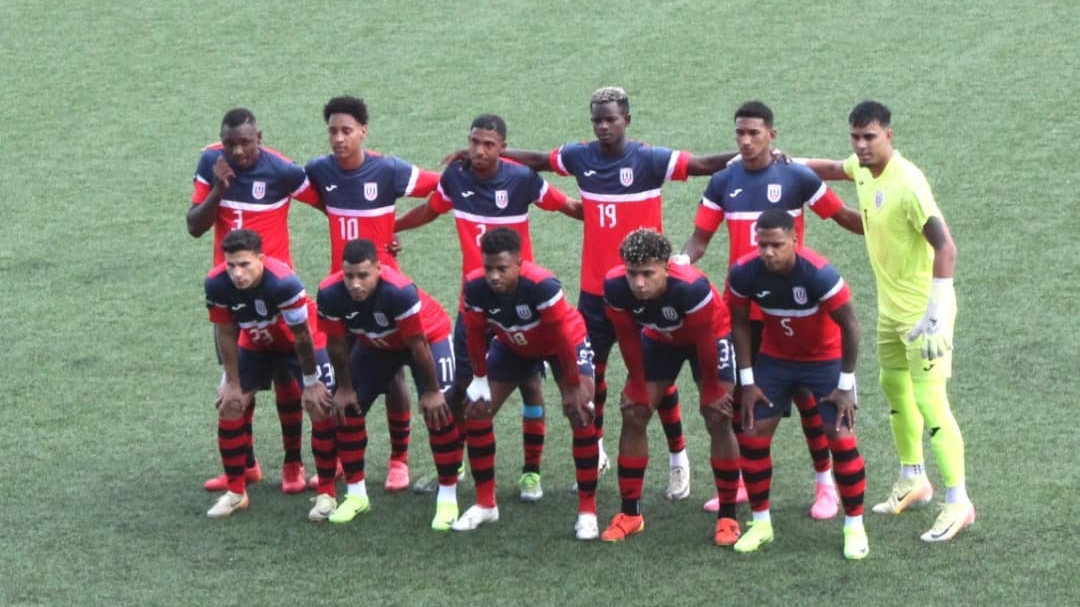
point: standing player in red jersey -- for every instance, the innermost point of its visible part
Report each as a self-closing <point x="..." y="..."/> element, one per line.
<point x="396" y="325"/>
<point x="358" y="189"/>
<point x="739" y="194"/>
<point x="484" y="192"/>
<point x="810" y="338"/>
<point x="620" y="181"/>
<point x="524" y="305"/>
<point x="666" y="314"/>
<point x="241" y="184"/>
<point x="261" y="315"/>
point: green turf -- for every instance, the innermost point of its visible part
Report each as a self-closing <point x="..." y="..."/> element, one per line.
<point x="108" y="372"/>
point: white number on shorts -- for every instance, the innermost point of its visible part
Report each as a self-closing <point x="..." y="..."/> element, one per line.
<point x="446" y="369"/>
<point x="350" y="228"/>
<point x="326" y="371"/>
<point x="518" y="338"/>
<point x="724" y="354"/>
<point x="607" y="216"/>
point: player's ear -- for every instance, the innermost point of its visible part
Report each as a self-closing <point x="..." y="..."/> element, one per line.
<point x="258" y="137"/>
<point x="628" y="118"/>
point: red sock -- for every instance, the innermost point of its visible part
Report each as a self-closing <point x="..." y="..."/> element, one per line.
<point x="813" y="428"/>
<point x="232" y="444"/>
<point x="323" y="438"/>
<point x="671" y="418"/>
<point x="726" y="476"/>
<point x="532" y="442"/>
<point x="586" y="460"/>
<point x="446" y="451"/>
<point x="480" y="435"/>
<point x="850" y="474"/>
<point x="291" y="416"/>
<point x="756" y="465"/>
<point x="352" y="445"/>
<point x="400" y="425"/>
<point x="631" y="479"/>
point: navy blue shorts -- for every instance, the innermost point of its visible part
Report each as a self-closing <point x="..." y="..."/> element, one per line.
<point x="601" y="331"/>
<point x="257" y="368"/>
<point x="778" y="379"/>
<point x="505" y="365"/>
<point x="373" y="370"/>
<point x="664" y="361"/>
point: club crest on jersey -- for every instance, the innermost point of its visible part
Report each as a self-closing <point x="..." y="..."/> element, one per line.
<point x="502" y="198"/>
<point x="260" y="307"/>
<point x="380" y="319"/>
<point x="799" y="293"/>
<point x="258" y="190"/>
<point x="774" y="192"/>
<point x="879" y="199"/>
<point x="626" y="176"/>
<point x="524" y="312"/>
<point x="371" y="190"/>
<point x="670" y="313"/>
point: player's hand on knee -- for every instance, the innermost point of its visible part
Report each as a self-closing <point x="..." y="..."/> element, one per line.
<point x="751" y="396"/>
<point x="844" y="401"/>
<point x="433" y="406"/>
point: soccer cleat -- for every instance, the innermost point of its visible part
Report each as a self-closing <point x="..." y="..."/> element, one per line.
<point x="950" y="521"/>
<point x="349" y="508"/>
<point x="586" y="527"/>
<point x="758" y="534"/>
<point x="325" y="505"/>
<point x="727" y="532"/>
<point x="531" y="491"/>
<point x="397" y="476"/>
<point x="227" y="504"/>
<point x="622" y="526"/>
<point x="474" y="517"/>
<point x="313" y="481"/>
<point x="603" y="464"/>
<point x="445" y="515"/>
<point x="221" y="482"/>
<point x="856" y="546"/>
<point x="906" y="492"/>
<point x="678" y="487"/>
<point x="826" y="502"/>
<point x="292" y="478"/>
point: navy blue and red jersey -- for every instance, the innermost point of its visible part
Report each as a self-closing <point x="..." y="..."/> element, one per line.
<point x="618" y="196"/>
<point x="796" y="305"/>
<point x="502" y="201"/>
<point x="690" y="312"/>
<point x="257" y="199"/>
<point x="263" y="312"/>
<point x="360" y="203"/>
<point x="397" y="309"/>
<point x="534" y="321"/>
<point x="741" y="196"/>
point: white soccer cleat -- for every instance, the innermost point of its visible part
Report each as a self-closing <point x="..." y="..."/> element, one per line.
<point x="474" y="517"/>
<point x="678" y="483"/>
<point x="325" y="505"/>
<point x="227" y="504"/>
<point x="586" y="528"/>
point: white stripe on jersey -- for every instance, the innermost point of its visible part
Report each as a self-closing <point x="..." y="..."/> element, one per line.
<point x="512" y="219"/>
<point x="259" y="324"/>
<point x="817" y="195"/>
<point x="293" y="300"/>
<point x="561" y="168"/>
<point x="252" y="207"/>
<point x="671" y="165"/>
<point x="834" y="290"/>
<point x="303" y="186"/>
<point x="704" y="302"/>
<point x="409" y="312"/>
<point x="554" y="300"/>
<point x="753" y="215"/>
<point x="790" y="313"/>
<point x="515" y="328"/>
<point x="379" y="212"/>
<point x="373" y="336"/>
<point x="412" y="181"/>
<point x="712" y="205"/>
<point x="635" y="197"/>
<point x="662" y="329"/>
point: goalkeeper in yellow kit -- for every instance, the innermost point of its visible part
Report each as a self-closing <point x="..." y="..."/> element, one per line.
<point x="913" y="257"/>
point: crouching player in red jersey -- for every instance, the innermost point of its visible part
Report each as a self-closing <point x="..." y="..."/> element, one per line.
<point x="261" y="316"/>
<point x="666" y="314"/>
<point x="396" y="325"/>
<point x="525" y="306"/>
<point x="810" y="338"/>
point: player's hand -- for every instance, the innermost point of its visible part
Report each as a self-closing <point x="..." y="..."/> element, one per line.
<point x="723" y="404"/>
<point x="932" y="332"/>
<point x="635" y="392"/>
<point x="846" y="405"/>
<point x="680" y="259"/>
<point x="436" y="412"/>
<point x="342" y="401"/>
<point x="781" y="155"/>
<point x="455" y="155"/>
<point x="478" y="389"/>
<point x="394" y="246"/>
<point x="751" y="396"/>
<point x="577" y="407"/>
<point x="231" y="400"/>
<point x="223" y="173"/>
<point x="317" y="401"/>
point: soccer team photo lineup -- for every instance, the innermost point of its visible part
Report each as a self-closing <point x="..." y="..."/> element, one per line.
<point x="776" y="335"/>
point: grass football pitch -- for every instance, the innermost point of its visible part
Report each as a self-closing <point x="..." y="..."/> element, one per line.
<point x="108" y="373"/>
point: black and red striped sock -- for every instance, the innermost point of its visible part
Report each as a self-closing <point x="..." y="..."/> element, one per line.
<point x="671" y="418"/>
<point x="631" y="480"/>
<point x="533" y="431"/>
<point x="814" y="429"/>
<point x="352" y="442"/>
<point x="756" y="466"/>
<point x="726" y="476"/>
<point x="850" y="473"/>
<point x="231" y="444"/>
<point x="600" y="398"/>
<point x="323" y="448"/>
<point x="586" y="460"/>
<point x="291" y="416"/>
<point x="446" y="451"/>
<point x="480" y="434"/>
<point x="400" y="425"/>
<point x="249" y="443"/>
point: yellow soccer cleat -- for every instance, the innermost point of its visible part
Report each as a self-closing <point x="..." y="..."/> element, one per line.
<point x="759" y="534"/>
<point x="349" y="508"/>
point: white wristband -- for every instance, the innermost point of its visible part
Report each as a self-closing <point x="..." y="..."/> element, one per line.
<point x="680" y="259"/>
<point x="846" y="382"/>
<point x="311" y="380"/>
<point x="746" y="377"/>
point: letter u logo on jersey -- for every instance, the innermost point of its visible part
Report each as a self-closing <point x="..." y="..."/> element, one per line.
<point x="524" y="312"/>
<point x="260" y="307"/>
<point x="626" y="176"/>
<point x="502" y="198"/>
<point x="371" y="190"/>
<point x="774" y="192"/>
<point x="670" y="313"/>
<point x="799" y="294"/>
<point x="879" y="199"/>
<point x="380" y="319"/>
<point x="258" y="190"/>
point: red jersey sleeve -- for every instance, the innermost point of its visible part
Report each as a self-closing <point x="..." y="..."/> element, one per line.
<point x="409" y="322"/>
<point x="438" y="201"/>
<point x="551" y="198"/>
<point x="426" y="182"/>
<point x="201" y="191"/>
<point x="555" y="161"/>
<point x="708" y="218"/>
<point x="825" y="203"/>
<point x="837" y="296"/>
<point x="307" y="194"/>
<point x="679" y="161"/>
<point x="334" y="328"/>
<point x="220" y="315"/>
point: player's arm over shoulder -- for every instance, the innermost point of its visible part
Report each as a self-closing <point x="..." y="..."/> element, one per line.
<point x="830" y="170"/>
